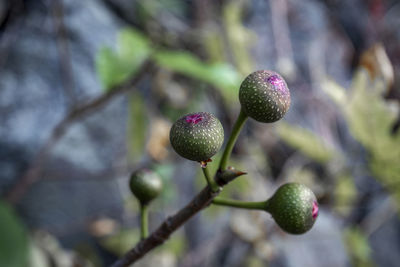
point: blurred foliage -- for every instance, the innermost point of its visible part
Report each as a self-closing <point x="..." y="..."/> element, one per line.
<point x="46" y="251"/>
<point x="13" y="239"/>
<point x="239" y="37"/>
<point x="148" y="9"/>
<point x="300" y="174"/>
<point x="220" y="75"/>
<point x="169" y="193"/>
<point x="357" y="245"/>
<point x="40" y="249"/>
<point x="122" y="241"/>
<point x="137" y="126"/>
<point x="305" y="141"/>
<point x="115" y="67"/>
<point x="345" y="194"/>
<point x="248" y="225"/>
<point x="133" y="48"/>
<point x="37" y="257"/>
<point x="253" y="261"/>
<point x="213" y="43"/>
<point x="370" y="120"/>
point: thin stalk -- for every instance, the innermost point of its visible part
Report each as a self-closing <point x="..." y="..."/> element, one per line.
<point x="214" y="187"/>
<point x="144" y="221"/>
<point x="232" y="140"/>
<point x="239" y="204"/>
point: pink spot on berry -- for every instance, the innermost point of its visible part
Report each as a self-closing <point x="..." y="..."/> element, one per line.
<point x="314" y="210"/>
<point x="277" y="82"/>
<point x="194" y="118"/>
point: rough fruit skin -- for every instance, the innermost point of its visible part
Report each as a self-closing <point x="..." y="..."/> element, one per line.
<point x="197" y="136"/>
<point x="264" y="96"/>
<point x="294" y="208"/>
<point x="146" y="185"/>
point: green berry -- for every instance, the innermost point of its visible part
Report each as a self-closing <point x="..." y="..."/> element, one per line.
<point x="146" y="185"/>
<point x="264" y="96"/>
<point x="294" y="208"/>
<point x="197" y="136"/>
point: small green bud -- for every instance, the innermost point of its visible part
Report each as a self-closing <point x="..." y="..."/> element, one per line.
<point x="264" y="96"/>
<point x="197" y="136"/>
<point x="146" y="185"/>
<point x="294" y="208"/>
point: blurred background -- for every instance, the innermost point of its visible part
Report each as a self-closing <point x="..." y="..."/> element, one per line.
<point x="89" y="90"/>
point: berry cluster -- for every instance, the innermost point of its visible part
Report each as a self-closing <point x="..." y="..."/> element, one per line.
<point x="264" y="96"/>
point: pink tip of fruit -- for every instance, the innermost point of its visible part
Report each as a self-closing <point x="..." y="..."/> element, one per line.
<point x="194" y="118"/>
<point x="277" y="82"/>
<point x="314" y="210"/>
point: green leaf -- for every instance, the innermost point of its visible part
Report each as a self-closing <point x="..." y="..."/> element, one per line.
<point x="357" y="245"/>
<point x="169" y="193"/>
<point x="305" y="141"/>
<point x="13" y="239"/>
<point x="227" y="79"/>
<point x="254" y="261"/>
<point x="137" y="126"/>
<point x="240" y="39"/>
<point x="121" y="242"/>
<point x="370" y="119"/>
<point x="109" y="69"/>
<point x="134" y="48"/>
<point x="113" y="68"/>
<point x="345" y="194"/>
<point x="182" y="62"/>
<point x="335" y="92"/>
<point x="220" y="75"/>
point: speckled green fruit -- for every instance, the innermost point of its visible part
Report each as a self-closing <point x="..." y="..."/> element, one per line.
<point x="294" y="208"/>
<point x="146" y="185"/>
<point x="197" y="136"/>
<point x="264" y="96"/>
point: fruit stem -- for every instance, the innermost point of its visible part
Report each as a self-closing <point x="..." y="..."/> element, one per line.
<point x="213" y="185"/>
<point x="232" y="140"/>
<point x="239" y="204"/>
<point x="144" y="221"/>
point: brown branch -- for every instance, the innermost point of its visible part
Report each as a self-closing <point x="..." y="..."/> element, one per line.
<point x="32" y="175"/>
<point x="172" y="223"/>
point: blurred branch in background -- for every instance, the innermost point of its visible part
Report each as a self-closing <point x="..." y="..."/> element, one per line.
<point x="11" y="21"/>
<point x="57" y="8"/>
<point x="32" y="174"/>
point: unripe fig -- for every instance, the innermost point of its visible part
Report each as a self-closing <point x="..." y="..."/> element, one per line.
<point x="197" y="136"/>
<point x="294" y="208"/>
<point x="264" y="96"/>
<point x="146" y="185"/>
